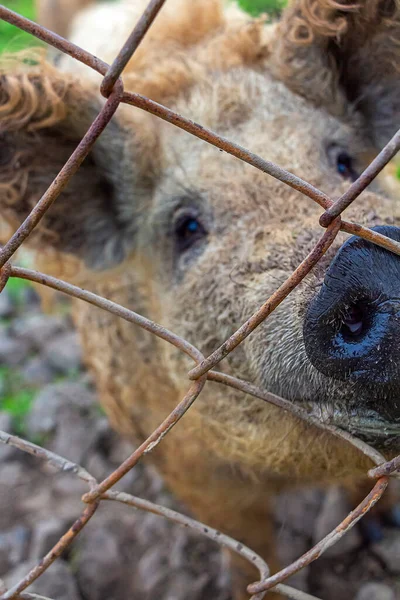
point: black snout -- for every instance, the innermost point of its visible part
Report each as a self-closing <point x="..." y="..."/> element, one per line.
<point x="352" y="327"/>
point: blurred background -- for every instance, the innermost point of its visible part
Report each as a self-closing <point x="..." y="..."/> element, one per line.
<point x="13" y="39"/>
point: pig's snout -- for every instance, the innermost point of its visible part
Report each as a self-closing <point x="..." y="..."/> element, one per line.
<point x="352" y="326"/>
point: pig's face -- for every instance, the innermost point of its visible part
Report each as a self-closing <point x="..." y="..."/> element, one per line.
<point x="221" y="237"/>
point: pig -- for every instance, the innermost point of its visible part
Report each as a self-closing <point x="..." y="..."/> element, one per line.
<point x="196" y="240"/>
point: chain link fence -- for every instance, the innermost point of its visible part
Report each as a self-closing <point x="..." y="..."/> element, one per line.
<point x="113" y="90"/>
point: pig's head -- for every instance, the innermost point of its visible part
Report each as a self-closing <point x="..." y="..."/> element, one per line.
<point x="209" y="238"/>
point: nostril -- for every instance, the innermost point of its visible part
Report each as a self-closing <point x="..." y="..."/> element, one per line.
<point x="352" y="325"/>
<point x="354" y="322"/>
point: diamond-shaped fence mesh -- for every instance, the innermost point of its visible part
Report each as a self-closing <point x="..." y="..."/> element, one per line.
<point x="203" y="371"/>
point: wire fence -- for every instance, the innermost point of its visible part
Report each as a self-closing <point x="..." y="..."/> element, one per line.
<point x="113" y="90"/>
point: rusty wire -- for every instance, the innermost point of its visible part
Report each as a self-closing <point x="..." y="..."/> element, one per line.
<point x="112" y="88"/>
<point x="130" y="46"/>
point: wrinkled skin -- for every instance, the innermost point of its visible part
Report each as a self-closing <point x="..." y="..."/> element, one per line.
<point x="168" y="226"/>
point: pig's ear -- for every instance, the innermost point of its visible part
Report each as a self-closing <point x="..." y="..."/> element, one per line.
<point x="341" y="53"/>
<point x="43" y="116"/>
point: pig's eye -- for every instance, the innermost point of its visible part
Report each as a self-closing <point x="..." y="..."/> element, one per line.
<point x="188" y="230"/>
<point x="345" y="166"/>
<point x="343" y="162"/>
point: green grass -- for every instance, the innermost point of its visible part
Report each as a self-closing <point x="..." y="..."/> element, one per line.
<point x="256" y="7"/>
<point x="16" y="399"/>
<point x="16" y="289"/>
<point x="12" y="38"/>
